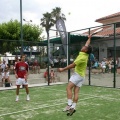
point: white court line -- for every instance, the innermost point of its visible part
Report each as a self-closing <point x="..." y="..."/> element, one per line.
<point x="45" y="106"/>
<point x="42" y="106"/>
<point x="108" y="98"/>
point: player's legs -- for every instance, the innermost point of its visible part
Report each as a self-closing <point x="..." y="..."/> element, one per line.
<point x="17" y="93"/>
<point x="69" y="88"/>
<point x="75" y="100"/>
<point x="25" y="83"/>
<point x="75" y="82"/>
<point x="18" y="83"/>
<point x="27" y="92"/>
<point x="26" y="88"/>
<point x="76" y="93"/>
<point x="17" y="90"/>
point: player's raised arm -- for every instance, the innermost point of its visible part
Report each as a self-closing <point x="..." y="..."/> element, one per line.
<point x="67" y="67"/>
<point x="88" y="41"/>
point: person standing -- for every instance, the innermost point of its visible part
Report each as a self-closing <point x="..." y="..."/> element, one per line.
<point x="3" y="65"/>
<point x="52" y="76"/>
<point x="77" y="79"/>
<point x="6" y="77"/>
<point x="5" y="58"/>
<point x="36" y="67"/>
<point x="21" y="74"/>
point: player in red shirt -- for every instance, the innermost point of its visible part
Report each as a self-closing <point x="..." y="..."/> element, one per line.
<point x="21" y="74"/>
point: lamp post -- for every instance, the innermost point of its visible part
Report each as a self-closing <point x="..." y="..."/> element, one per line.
<point x="21" y="29"/>
<point x="28" y="24"/>
<point x="27" y="21"/>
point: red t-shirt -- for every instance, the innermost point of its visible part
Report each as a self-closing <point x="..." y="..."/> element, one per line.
<point x="21" y="69"/>
<point x="45" y="74"/>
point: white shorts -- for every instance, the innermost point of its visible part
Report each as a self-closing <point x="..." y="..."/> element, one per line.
<point x="103" y="66"/>
<point x="77" y="79"/>
<point x="21" y="81"/>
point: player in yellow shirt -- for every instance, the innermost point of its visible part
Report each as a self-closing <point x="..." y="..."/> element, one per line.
<point x="77" y="79"/>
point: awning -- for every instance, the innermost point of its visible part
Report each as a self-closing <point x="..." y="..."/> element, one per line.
<point x="73" y="39"/>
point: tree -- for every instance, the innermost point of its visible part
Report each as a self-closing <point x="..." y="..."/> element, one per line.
<point x="31" y="35"/>
<point x="10" y="35"/>
<point x="56" y="14"/>
<point x="47" y="21"/>
<point x="9" y="32"/>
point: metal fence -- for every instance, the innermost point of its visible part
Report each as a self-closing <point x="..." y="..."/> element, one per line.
<point x="106" y="49"/>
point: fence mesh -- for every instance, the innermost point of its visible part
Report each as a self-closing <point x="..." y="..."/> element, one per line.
<point x="103" y="70"/>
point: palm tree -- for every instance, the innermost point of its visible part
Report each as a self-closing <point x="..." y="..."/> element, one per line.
<point x="47" y="22"/>
<point x="56" y="14"/>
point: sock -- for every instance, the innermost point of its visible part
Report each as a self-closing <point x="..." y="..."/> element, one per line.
<point x="17" y="96"/>
<point x="27" y="95"/>
<point x="73" y="105"/>
<point x="69" y="102"/>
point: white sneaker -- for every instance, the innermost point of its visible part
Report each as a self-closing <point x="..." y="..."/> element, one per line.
<point x="17" y="99"/>
<point x="67" y="108"/>
<point x="28" y="98"/>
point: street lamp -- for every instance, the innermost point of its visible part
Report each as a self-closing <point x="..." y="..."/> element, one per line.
<point x="28" y="24"/>
<point x="27" y="21"/>
<point x="21" y="29"/>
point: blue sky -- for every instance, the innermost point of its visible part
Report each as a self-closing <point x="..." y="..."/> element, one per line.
<point x="83" y="13"/>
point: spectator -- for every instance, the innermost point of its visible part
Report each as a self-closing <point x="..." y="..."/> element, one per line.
<point x="109" y="66"/>
<point x="46" y="75"/>
<point x="36" y="66"/>
<point x="5" y="77"/>
<point x="63" y="62"/>
<point x="5" y="58"/>
<point x="30" y="63"/>
<point x="92" y="59"/>
<point x="56" y="62"/>
<point x="103" y="65"/>
<point x="3" y="66"/>
<point x="52" y="76"/>
<point x="96" y="64"/>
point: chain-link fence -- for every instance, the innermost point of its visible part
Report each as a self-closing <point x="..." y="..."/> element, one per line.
<point x="104" y="63"/>
<point x="103" y="66"/>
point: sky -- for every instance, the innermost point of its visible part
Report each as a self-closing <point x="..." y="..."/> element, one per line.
<point x="80" y="14"/>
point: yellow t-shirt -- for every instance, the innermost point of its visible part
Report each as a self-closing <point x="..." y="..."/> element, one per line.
<point x="81" y="63"/>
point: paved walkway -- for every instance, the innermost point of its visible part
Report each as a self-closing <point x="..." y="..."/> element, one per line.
<point x="33" y="85"/>
<point x="105" y="80"/>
